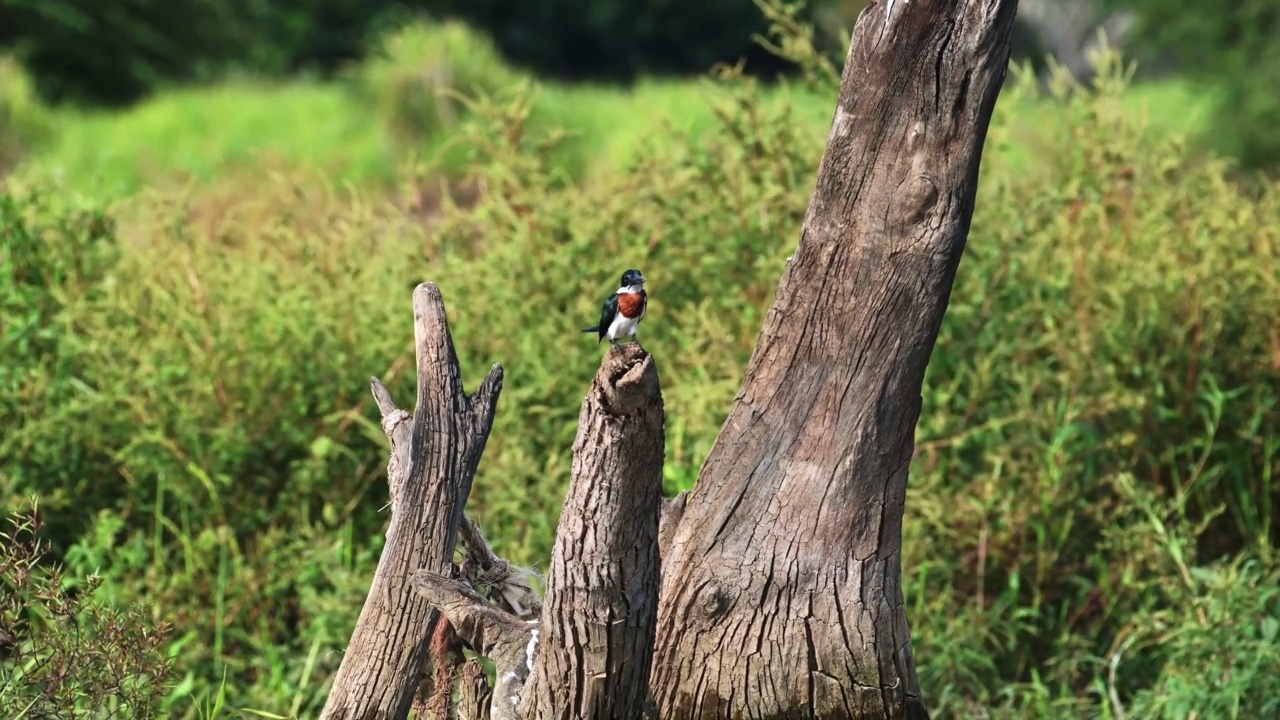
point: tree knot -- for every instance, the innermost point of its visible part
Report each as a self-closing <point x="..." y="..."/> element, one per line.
<point x="918" y="198"/>
<point x="714" y="601"/>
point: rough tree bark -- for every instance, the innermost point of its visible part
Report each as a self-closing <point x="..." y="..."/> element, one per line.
<point x="781" y="592"/>
<point x="598" y="621"/>
<point x="778" y="593"/>
<point x="433" y="460"/>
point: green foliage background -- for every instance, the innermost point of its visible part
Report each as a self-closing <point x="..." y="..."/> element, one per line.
<point x="1232" y="48"/>
<point x="113" y="53"/>
<point x="1091" y="521"/>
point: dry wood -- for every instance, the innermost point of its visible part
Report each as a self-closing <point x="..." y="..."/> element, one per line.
<point x="475" y="691"/>
<point x="596" y="636"/>
<point x="505" y="584"/>
<point x="781" y="590"/>
<point x="490" y="630"/>
<point x="433" y="461"/>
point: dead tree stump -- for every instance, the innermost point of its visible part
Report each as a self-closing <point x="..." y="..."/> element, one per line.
<point x="773" y="588"/>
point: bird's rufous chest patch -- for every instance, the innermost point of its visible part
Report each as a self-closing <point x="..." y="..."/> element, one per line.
<point x="631" y="304"/>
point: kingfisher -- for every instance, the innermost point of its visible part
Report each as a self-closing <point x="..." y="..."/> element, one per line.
<point x="624" y="309"/>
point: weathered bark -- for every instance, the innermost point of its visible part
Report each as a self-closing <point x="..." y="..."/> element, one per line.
<point x="475" y="691"/>
<point x="597" y="630"/>
<point x="433" y="461"/>
<point x="781" y="592"/>
<point x="490" y="630"/>
<point x="505" y="584"/>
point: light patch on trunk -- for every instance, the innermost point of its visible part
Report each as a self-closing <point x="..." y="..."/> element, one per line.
<point x="528" y="652"/>
<point x="888" y="10"/>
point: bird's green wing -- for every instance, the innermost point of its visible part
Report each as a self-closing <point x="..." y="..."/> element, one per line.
<point x="607" y="313"/>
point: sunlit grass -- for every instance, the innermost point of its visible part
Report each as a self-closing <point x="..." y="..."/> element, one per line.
<point x="197" y="135"/>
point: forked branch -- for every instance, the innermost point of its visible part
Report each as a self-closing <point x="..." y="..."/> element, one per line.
<point x="433" y="460"/>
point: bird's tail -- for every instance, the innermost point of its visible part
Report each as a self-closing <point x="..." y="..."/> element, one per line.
<point x="593" y="328"/>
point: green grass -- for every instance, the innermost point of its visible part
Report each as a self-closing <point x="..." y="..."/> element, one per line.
<point x="198" y="134"/>
<point x="1091" y="513"/>
<point x="351" y="131"/>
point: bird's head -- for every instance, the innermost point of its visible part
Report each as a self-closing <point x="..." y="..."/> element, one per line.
<point x="632" y="278"/>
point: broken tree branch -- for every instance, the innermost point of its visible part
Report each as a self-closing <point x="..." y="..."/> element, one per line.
<point x="489" y="630"/>
<point x="499" y="580"/>
<point x="433" y="461"/>
<point x="597" y="626"/>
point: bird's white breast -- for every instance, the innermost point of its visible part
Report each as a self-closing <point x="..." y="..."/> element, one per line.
<point x="623" y="326"/>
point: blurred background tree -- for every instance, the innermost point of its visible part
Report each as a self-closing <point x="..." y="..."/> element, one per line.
<point x="1232" y="48"/>
<point x="115" y="53"/>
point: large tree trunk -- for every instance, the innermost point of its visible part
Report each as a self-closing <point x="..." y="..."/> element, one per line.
<point x="781" y="590"/>
<point x="778" y="593"/>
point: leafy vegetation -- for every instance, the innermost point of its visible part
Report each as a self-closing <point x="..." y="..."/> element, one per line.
<point x="1232" y="49"/>
<point x="24" y="122"/>
<point x="61" y="653"/>
<point x="1091" y="522"/>
<point x="95" y="53"/>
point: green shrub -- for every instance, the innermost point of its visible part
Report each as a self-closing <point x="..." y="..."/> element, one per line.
<point x="63" y="654"/>
<point x="53" y="255"/>
<point x="24" y="123"/>
<point x="1215" y="628"/>
<point x="1106" y="328"/>
<point x="415" y="78"/>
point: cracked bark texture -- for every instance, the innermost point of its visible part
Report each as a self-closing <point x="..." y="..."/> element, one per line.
<point x="596" y="633"/>
<point x="433" y="461"/>
<point x="781" y="592"/>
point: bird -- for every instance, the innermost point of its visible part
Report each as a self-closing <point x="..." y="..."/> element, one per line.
<point x="623" y="310"/>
